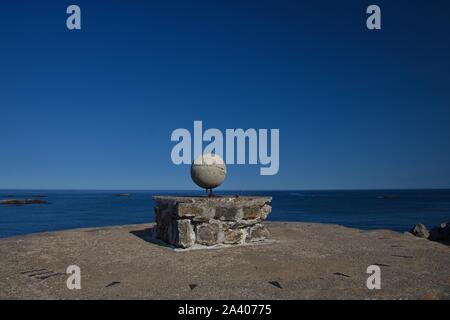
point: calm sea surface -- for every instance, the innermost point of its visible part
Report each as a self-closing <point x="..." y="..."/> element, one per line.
<point x="388" y="209"/>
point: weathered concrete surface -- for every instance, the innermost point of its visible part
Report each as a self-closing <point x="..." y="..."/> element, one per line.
<point x="308" y="261"/>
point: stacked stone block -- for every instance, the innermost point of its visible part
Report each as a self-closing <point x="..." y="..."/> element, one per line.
<point x="206" y="221"/>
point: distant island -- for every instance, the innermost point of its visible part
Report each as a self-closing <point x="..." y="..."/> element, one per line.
<point x="23" y="201"/>
<point x="123" y="194"/>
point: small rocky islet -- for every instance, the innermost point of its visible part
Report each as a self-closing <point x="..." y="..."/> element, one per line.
<point x="22" y="201"/>
<point x="123" y="195"/>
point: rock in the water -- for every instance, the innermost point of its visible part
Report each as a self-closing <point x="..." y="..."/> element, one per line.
<point x="123" y="195"/>
<point x="23" y="201"/>
<point x="390" y="197"/>
<point x="419" y="230"/>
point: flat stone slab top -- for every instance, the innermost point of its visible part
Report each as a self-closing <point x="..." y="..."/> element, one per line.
<point x="219" y="207"/>
<point x="187" y="222"/>
<point x="307" y="261"/>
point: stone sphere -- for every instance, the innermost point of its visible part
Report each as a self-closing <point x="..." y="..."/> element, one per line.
<point x="208" y="171"/>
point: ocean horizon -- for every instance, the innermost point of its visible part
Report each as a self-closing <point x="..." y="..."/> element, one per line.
<point x="392" y="209"/>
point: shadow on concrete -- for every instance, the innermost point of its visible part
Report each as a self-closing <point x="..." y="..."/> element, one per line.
<point x="149" y="235"/>
<point x="446" y="242"/>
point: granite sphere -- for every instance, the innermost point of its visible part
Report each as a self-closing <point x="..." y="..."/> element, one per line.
<point x="208" y="171"/>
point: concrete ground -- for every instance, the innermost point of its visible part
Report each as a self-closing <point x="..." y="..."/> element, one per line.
<point x="308" y="261"/>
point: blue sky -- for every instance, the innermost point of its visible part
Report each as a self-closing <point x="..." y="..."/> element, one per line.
<point x="95" y="108"/>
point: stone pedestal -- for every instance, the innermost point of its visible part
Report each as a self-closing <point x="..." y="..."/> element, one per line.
<point x="206" y="221"/>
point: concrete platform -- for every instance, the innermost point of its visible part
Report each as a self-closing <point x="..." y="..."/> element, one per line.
<point x="308" y="261"/>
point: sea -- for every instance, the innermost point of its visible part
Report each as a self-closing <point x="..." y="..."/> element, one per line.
<point x="397" y="210"/>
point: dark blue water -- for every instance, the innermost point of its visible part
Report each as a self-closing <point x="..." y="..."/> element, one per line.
<point x="389" y="209"/>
